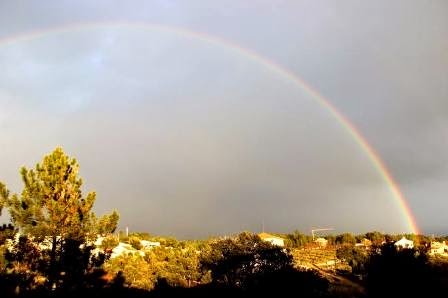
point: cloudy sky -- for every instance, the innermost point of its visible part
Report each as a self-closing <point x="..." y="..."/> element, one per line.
<point x="190" y="137"/>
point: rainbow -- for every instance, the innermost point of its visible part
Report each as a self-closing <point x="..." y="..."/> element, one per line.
<point x="345" y="123"/>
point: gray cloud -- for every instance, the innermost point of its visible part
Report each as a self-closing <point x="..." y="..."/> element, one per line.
<point x="176" y="133"/>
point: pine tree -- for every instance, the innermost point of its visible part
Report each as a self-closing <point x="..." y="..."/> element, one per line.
<point x="51" y="206"/>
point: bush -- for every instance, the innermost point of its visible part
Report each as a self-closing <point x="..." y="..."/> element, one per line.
<point x="109" y="243"/>
<point x="135" y="242"/>
<point x="356" y="258"/>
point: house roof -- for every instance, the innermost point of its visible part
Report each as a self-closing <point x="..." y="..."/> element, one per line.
<point x="436" y="244"/>
<point x="404" y="241"/>
<point x="266" y="236"/>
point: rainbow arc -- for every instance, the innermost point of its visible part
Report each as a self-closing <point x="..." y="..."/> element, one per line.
<point x="343" y="121"/>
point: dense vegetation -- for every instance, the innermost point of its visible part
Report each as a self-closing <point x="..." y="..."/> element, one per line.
<point x="50" y="249"/>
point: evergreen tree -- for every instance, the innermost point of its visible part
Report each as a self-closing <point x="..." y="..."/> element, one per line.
<point x="51" y="208"/>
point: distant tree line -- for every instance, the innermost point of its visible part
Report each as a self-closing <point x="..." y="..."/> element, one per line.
<point x="298" y="239"/>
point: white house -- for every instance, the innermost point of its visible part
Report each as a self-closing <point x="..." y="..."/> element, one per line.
<point x="149" y="244"/>
<point x="322" y="242"/>
<point x="404" y="243"/>
<point x="272" y="239"/>
<point x="124" y="249"/>
<point x="438" y="248"/>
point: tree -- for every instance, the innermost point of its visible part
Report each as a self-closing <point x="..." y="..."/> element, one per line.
<point x="104" y="225"/>
<point x="135" y="242"/>
<point x="345" y="238"/>
<point x="23" y="260"/>
<point x="135" y="271"/>
<point x="331" y="239"/>
<point x="177" y="267"/>
<point x="51" y="208"/>
<point x="256" y="268"/>
<point x="241" y="261"/>
<point x="391" y="238"/>
<point x="297" y="239"/>
<point x="376" y="237"/>
<point x="6" y="232"/>
<point x="399" y="273"/>
<point x="109" y="243"/>
<point x="355" y="257"/>
<point x="4" y="193"/>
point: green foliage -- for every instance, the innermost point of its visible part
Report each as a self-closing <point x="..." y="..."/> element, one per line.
<point x="331" y="240"/>
<point x="141" y="235"/>
<point x="441" y="238"/>
<point x="359" y="237"/>
<point x="258" y="268"/>
<point x="421" y="241"/>
<point x="356" y="258"/>
<point x="168" y="242"/>
<point x="4" y="195"/>
<point x="52" y="204"/>
<point x="297" y="239"/>
<point x="137" y="273"/>
<point x="135" y="242"/>
<point x="20" y="264"/>
<point x="106" y="224"/>
<point x="52" y="211"/>
<point x="239" y="261"/>
<point x="391" y="238"/>
<point x="3" y="262"/>
<point x="6" y="232"/>
<point x="198" y="245"/>
<point x="377" y="238"/>
<point x="122" y="237"/>
<point x="109" y="243"/>
<point x="178" y="267"/>
<point x="346" y="238"/>
<point x="25" y="256"/>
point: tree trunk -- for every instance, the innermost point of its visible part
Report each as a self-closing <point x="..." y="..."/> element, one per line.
<point x="52" y="275"/>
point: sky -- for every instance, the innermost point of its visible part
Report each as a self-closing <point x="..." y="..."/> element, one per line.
<point x="190" y="137"/>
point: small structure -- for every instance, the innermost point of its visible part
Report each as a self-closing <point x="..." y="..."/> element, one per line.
<point x="439" y="248"/>
<point x="149" y="244"/>
<point x="272" y="239"/>
<point x="404" y="243"/>
<point x="365" y="243"/>
<point x="125" y="249"/>
<point x="321" y="242"/>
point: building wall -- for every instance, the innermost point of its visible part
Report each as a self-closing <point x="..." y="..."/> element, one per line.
<point x="275" y="241"/>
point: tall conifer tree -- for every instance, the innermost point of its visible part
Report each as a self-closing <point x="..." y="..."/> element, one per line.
<point x="51" y="206"/>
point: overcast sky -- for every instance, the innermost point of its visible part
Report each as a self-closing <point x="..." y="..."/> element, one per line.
<point x="191" y="138"/>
